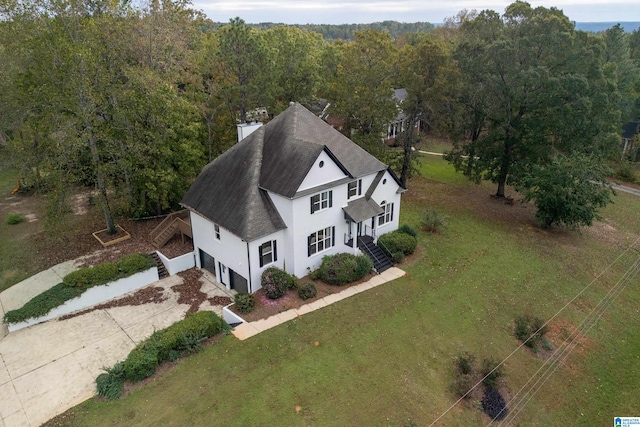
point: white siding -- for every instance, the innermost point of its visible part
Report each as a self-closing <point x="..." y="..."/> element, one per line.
<point x="387" y="190"/>
<point x="329" y="172"/>
<point x="281" y="262"/>
<point x="230" y="250"/>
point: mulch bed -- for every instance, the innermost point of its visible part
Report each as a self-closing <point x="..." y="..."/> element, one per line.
<point x="265" y="307"/>
<point x="190" y="293"/>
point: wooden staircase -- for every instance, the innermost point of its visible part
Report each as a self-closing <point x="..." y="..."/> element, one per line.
<point x="172" y="224"/>
<point x="162" y="269"/>
<point x="380" y="261"/>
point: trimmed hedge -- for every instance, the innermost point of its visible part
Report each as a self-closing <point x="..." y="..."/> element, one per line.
<point x="275" y="282"/>
<point x="407" y="229"/>
<point x="307" y="290"/>
<point x="76" y="283"/>
<point x="181" y="338"/>
<point x="344" y="268"/>
<point x="394" y="242"/>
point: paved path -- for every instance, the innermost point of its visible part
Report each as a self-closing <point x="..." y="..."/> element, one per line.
<point x="249" y="329"/>
<point x="48" y="368"/>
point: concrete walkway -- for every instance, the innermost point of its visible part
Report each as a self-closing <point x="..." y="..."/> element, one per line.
<point x="249" y="329"/>
<point x="48" y="368"/>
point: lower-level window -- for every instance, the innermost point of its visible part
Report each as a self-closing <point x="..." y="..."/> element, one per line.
<point x="321" y="240"/>
<point x="268" y="253"/>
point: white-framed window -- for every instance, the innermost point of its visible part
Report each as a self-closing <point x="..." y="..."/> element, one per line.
<point x="321" y="240"/>
<point x="268" y="253"/>
<point x="354" y="189"/>
<point x="216" y="229"/>
<point x="321" y="201"/>
<point x="386" y="216"/>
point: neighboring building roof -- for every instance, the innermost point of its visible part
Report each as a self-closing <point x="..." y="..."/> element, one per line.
<point x="230" y="191"/>
<point x="630" y="129"/>
<point x="400" y="95"/>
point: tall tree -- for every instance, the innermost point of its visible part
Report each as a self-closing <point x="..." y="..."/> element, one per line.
<point x="531" y="86"/>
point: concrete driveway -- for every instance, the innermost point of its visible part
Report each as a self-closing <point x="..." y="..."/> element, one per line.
<point x="48" y="368"/>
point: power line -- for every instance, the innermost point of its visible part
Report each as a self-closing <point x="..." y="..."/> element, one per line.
<point x="536" y="332"/>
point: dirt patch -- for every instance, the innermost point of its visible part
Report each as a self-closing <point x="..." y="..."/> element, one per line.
<point x="265" y="307"/>
<point x="562" y="332"/>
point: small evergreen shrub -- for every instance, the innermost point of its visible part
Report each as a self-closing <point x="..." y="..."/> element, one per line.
<point x="397" y="257"/>
<point x="433" y="221"/>
<point x="462" y="383"/>
<point x="491" y="372"/>
<point x="464" y="363"/>
<point x="244" y="302"/>
<point x="110" y="384"/>
<point x="275" y="282"/>
<point x="493" y="404"/>
<point x="294" y="282"/>
<point x="530" y="330"/>
<point x="407" y="229"/>
<point x="391" y="243"/>
<point x="134" y="263"/>
<point x="13" y="219"/>
<point x="307" y="290"/>
<point x="344" y="268"/>
<point x="142" y="361"/>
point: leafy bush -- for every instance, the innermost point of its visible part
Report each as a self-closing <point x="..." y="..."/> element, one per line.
<point x="110" y="384"/>
<point x="43" y="303"/>
<point x="294" y="282"/>
<point x="491" y="371"/>
<point x="530" y="330"/>
<point x="307" y="290"/>
<point x="464" y="363"/>
<point x="13" y="219"/>
<point x="407" y="229"/>
<point x="625" y="173"/>
<point x="397" y="257"/>
<point x="433" y="221"/>
<point x="134" y="263"/>
<point x="493" y="404"/>
<point x="391" y="243"/>
<point x="275" y="282"/>
<point x="462" y="384"/>
<point x="244" y="302"/>
<point x="183" y="337"/>
<point x="344" y="268"/>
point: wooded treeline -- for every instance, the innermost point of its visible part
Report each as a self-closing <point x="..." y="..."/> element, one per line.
<point x="135" y="101"/>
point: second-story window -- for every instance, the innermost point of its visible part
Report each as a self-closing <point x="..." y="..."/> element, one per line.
<point x="354" y="189"/>
<point x="216" y="229"/>
<point x="321" y="201"/>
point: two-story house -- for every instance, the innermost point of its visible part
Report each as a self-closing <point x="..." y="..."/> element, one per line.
<point x="290" y="193"/>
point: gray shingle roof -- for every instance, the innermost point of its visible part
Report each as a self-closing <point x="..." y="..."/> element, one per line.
<point x="230" y="190"/>
<point x="362" y="209"/>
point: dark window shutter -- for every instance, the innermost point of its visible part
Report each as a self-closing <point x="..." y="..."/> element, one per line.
<point x="391" y="211"/>
<point x="275" y="252"/>
<point x="330" y="198"/>
<point x="311" y="200"/>
<point x="260" y="253"/>
<point x="333" y="236"/>
<point x="309" y="246"/>
<point x="359" y="187"/>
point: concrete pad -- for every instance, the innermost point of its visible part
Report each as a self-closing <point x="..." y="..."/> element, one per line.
<point x="130" y="315"/>
<point x="17" y="419"/>
<point x="35" y="346"/>
<point x="145" y="327"/>
<point x="376" y="281"/>
<point x="4" y="373"/>
<point x="349" y="292"/>
<point x="304" y="310"/>
<point x="53" y="389"/>
<point x="285" y="316"/>
<point x="244" y="331"/>
<point x="65" y="268"/>
<point x="317" y="304"/>
<point x="19" y="294"/>
<point x="9" y="402"/>
<point x="268" y="323"/>
<point x="363" y="287"/>
<point x="330" y="299"/>
<point x="392" y="274"/>
<point x="104" y="353"/>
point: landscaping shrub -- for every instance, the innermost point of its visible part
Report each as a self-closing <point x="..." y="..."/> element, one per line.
<point x="13" y="219"/>
<point x="43" y="303"/>
<point x="397" y="257"/>
<point x="493" y="404"/>
<point x="344" y="268"/>
<point x="294" y="282"/>
<point x="391" y="243"/>
<point x="433" y="221"/>
<point x="462" y="384"/>
<point x="625" y="173"/>
<point x="491" y="372"/>
<point x="110" y="384"/>
<point x="464" y="363"/>
<point x="407" y="229"/>
<point x="183" y="337"/>
<point x="244" y="302"/>
<point x="307" y="290"/>
<point x="134" y="263"/>
<point x="531" y="330"/>
<point x="275" y="282"/>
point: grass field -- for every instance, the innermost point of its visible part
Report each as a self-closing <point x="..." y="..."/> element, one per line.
<point x="385" y="356"/>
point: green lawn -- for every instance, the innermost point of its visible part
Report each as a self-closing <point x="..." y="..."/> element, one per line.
<point x="385" y="356"/>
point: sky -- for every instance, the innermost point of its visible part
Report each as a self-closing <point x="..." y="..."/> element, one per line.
<point x="367" y="11"/>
